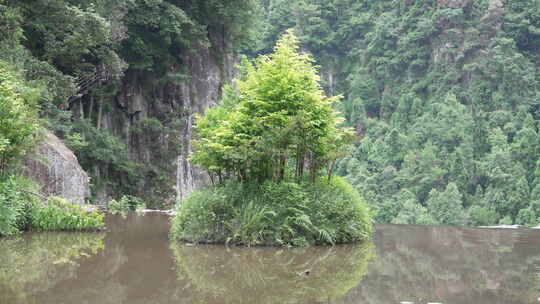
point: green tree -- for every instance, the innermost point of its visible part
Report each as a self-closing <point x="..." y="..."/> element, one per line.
<point x="277" y="115"/>
<point x="446" y="206"/>
<point x="18" y="117"/>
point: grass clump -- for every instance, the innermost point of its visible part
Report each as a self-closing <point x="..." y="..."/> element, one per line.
<point x="59" y="214"/>
<point x="284" y="214"/>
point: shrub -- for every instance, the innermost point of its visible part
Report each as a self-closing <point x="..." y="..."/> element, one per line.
<point x="59" y="214"/>
<point x="14" y="204"/>
<point x="526" y="216"/>
<point x="482" y="216"/>
<point x="125" y="204"/>
<point x="286" y="213"/>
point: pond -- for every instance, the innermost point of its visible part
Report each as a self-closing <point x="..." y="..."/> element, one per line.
<point x="134" y="262"/>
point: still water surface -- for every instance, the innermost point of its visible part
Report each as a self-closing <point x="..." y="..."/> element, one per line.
<point x="134" y="262"/>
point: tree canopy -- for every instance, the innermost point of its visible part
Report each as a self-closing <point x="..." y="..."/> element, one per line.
<point x="276" y="119"/>
<point x="18" y="117"/>
<point x="444" y="95"/>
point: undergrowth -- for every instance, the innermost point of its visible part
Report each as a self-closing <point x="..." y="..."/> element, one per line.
<point x="22" y="208"/>
<point x="15" y="202"/>
<point x="59" y="214"/>
<point x="284" y="214"/>
<point x="125" y="204"/>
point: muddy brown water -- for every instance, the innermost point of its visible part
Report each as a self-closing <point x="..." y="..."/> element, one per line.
<point x="134" y="262"/>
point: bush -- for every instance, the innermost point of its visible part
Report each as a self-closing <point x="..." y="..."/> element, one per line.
<point x="286" y="213"/>
<point x="59" y="214"/>
<point x="125" y="204"/>
<point x="526" y="216"/>
<point x="14" y="204"/>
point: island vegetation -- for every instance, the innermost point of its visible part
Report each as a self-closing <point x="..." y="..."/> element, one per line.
<point x="270" y="149"/>
<point x="443" y="97"/>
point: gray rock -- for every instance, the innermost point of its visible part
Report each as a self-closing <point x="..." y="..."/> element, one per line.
<point x="56" y="169"/>
<point x="144" y="96"/>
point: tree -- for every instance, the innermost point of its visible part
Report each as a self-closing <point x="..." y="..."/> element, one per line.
<point x="277" y="119"/>
<point x="18" y="117"/>
<point x="446" y="206"/>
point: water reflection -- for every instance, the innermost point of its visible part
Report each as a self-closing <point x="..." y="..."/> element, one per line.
<point x="134" y="263"/>
<point x="451" y="265"/>
<point x="36" y="262"/>
<point x="271" y="275"/>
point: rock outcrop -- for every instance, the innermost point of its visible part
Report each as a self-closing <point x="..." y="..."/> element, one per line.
<point x="148" y="99"/>
<point x="56" y="169"/>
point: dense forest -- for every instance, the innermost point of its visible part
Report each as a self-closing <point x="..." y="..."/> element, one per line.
<point x="443" y="94"/>
<point x="444" y="97"/>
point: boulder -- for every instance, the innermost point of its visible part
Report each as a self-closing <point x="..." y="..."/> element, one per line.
<point x="56" y="169"/>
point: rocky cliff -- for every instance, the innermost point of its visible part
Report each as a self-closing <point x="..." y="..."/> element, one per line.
<point x="153" y="114"/>
<point x="56" y="169"/>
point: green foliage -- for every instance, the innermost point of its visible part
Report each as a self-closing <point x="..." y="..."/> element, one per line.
<point x="21" y="209"/>
<point x="18" y="117"/>
<point x="441" y="97"/>
<point x="527" y="217"/>
<point x="77" y="52"/>
<point x="410" y="212"/>
<point x="285" y="213"/>
<point x="158" y="29"/>
<point x="15" y="201"/>
<point x="446" y="206"/>
<point x="482" y="216"/>
<point x="97" y="148"/>
<point x="270" y="127"/>
<point x="125" y="204"/>
<point x="58" y="214"/>
<point x="161" y="30"/>
<point x="277" y="114"/>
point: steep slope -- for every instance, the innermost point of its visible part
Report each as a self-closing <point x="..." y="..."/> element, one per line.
<point x="444" y="96"/>
<point x="121" y="81"/>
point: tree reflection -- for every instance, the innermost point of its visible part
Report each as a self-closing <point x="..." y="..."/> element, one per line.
<point x="271" y="275"/>
<point x="37" y="261"/>
<point x="451" y="265"/>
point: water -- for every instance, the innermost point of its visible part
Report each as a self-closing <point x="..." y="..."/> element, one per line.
<point x="134" y="262"/>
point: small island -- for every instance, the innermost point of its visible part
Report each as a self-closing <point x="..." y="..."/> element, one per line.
<point x="270" y="149"/>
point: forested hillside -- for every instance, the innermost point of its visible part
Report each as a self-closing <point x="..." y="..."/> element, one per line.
<point x="443" y="94"/>
<point x="119" y="81"/>
<point x="444" y="97"/>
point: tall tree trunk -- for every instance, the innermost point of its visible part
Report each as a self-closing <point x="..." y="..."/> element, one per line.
<point x="81" y="109"/>
<point x="100" y="113"/>
<point x="91" y="107"/>
<point x="282" y="163"/>
<point x="331" y="167"/>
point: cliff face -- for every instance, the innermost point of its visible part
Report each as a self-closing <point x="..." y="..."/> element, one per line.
<point x="154" y="117"/>
<point x="56" y="169"/>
